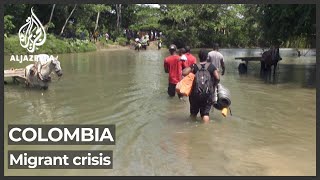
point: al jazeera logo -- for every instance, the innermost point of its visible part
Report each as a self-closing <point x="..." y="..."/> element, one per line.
<point x="31" y="35"/>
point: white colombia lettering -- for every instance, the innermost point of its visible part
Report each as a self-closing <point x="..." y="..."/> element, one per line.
<point x="52" y="138"/>
<point x="11" y="134"/>
<point x="34" y="136"/>
<point x="85" y="134"/>
<point x="71" y="136"/>
<point x="40" y="138"/>
<point x="108" y="136"/>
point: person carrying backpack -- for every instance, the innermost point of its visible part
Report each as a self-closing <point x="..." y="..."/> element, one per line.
<point x="206" y="78"/>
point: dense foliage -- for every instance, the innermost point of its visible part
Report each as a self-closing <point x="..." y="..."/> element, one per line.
<point x="198" y="25"/>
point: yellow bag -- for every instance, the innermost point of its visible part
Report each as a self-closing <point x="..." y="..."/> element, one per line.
<point x="184" y="87"/>
<point x="224" y="112"/>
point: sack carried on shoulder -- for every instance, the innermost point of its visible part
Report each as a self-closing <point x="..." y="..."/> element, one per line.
<point x="184" y="87"/>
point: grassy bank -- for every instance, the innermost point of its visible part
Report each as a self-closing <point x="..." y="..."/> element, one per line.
<point x="56" y="45"/>
<point x="53" y="45"/>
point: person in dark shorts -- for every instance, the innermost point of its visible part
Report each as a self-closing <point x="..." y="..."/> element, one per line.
<point x="196" y="104"/>
<point x="173" y="66"/>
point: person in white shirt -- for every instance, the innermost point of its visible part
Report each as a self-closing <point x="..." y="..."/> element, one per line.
<point x="216" y="58"/>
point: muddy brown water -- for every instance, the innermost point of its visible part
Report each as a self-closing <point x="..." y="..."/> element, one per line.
<point x="272" y="130"/>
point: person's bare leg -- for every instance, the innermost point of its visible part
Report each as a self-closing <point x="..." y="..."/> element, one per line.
<point x="206" y="119"/>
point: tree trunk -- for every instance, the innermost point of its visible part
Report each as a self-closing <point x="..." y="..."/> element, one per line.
<point x="97" y="21"/>
<point x="48" y="24"/>
<point x="64" y="26"/>
<point x="117" y="11"/>
<point x="118" y="8"/>
<point x="120" y="17"/>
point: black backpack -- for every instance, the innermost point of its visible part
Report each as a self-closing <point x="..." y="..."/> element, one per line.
<point x="203" y="82"/>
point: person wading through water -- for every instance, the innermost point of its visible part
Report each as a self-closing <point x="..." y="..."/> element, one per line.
<point x="216" y="58"/>
<point x="206" y="78"/>
<point x="190" y="58"/>
<point x="183" y="58"/>
<point x="173" y="66"/>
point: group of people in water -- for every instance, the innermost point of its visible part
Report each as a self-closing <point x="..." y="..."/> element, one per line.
<point x="181" y="62"/>
<point x="144" y="41"/>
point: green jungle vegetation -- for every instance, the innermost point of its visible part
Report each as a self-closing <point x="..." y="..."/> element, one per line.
<point x="70" y="27"/>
